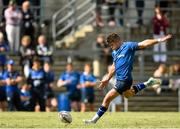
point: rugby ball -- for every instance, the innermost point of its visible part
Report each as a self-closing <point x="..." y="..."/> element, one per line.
<point x="65" y="117"/>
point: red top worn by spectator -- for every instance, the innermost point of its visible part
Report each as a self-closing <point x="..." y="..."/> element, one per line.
<point x="160" y="22"/>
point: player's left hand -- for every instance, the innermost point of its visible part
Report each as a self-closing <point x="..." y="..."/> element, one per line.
<point x="104" y="82"/>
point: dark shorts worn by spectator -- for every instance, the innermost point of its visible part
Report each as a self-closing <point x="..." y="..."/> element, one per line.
<point x="87" y="98"/>
<point x="2" y="95"/>
<point x="76" y="96"/>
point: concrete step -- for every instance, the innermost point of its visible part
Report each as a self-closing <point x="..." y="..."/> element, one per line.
<point x="154" y="104"/>
<point x="147" y="99"/>
<point x="150" y="109"/>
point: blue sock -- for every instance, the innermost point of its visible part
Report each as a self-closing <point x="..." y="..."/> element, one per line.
<point x="139" y="87"/>
<point x="101" y="111"/>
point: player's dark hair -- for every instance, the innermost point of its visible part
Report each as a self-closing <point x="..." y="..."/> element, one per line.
<point x="113" y="37"/>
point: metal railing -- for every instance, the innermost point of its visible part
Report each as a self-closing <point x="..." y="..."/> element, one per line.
<point x="69" y="19"/>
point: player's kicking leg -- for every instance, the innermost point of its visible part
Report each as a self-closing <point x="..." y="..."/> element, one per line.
<point x="114" y="93"/>
<point x="106" y="101"/>
<point x="137" y="88"/>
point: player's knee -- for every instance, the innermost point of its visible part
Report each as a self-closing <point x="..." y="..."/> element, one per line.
<point x="128" y="93"/>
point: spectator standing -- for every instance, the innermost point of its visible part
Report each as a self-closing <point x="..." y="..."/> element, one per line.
<point x="27" y="27"/>
<point x="27" y="53"/>
<point x="140" y="7"/>
<point x="160" y="24"/>
<point x="44" y="50"/>
<point x="3" y="102"/>
<point x="37" y="81"/>
<point x="70" y="79"/>
<point x="13" y="78"/>
<point x="112" y="5"/>
<point x="87" y="83"/>
<point x="13" y="17"/>
<point x="3" y="48"/>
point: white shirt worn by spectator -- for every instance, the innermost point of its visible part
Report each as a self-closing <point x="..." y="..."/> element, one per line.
<point x="13" y="20"/>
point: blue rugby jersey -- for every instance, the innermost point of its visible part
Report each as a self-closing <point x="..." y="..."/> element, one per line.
<point x="87" y="77"/>
<point x="73" y="77"/>
<point x="37" y="79"/>
<point x="123" y="59"/>
<point x="11" y="75"/>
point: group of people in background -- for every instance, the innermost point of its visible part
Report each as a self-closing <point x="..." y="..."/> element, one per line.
<point x="35" y="92"/>
<point x="80" y="87"/>
<point x="23" y="90"/>
<point x="17" y="36"/>
<point x="19" y="93"/>
<point x="18" y="22"/>
<point x="122" y="7"/>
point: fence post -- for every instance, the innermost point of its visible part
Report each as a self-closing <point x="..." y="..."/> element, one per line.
<point x="179" y="99"/>
<point x="141" y="64"/>
<point x="125" y="104"/>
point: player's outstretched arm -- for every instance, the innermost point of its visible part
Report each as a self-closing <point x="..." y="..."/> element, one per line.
<point x="150" y="42"/>
<point x="104" y="82"/>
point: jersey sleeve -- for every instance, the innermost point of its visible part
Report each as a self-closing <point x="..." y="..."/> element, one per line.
<point x="62" y="77"/>
<point x="5" y="76"/>
<point x="132" y="46"/>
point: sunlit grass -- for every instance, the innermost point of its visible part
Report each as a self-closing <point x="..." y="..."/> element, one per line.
<point x="109" y="120"/>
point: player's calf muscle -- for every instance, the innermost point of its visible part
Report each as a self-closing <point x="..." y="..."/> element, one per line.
<point x="109" y="97"/>
<point x="106" y="101"/>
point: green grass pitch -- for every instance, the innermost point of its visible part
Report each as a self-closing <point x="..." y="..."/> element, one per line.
<point x="109" y="120"/>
